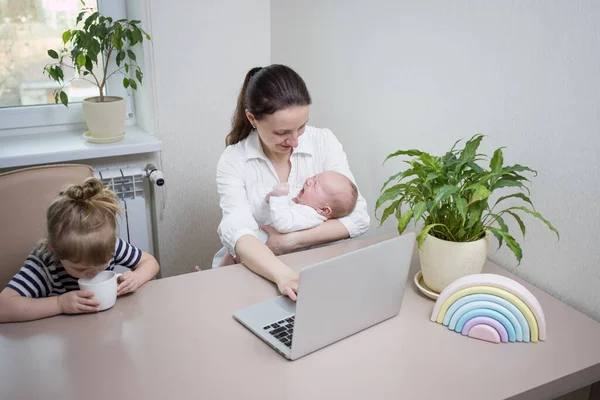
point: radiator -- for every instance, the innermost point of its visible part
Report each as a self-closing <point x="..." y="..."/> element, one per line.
<point x="128" y="183"/>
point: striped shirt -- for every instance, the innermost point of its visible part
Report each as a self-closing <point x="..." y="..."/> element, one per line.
<point x="43" y="275"/>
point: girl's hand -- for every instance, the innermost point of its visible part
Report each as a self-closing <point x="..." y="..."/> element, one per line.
<point x="279" y="243"/>
<point x="77" y="302"/>
<point x="128" y="283"/>
<point x="288" y="286"/>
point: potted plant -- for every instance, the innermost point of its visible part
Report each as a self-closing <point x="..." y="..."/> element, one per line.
<point x="94" y="42"/>
<point x="452" y="195"/>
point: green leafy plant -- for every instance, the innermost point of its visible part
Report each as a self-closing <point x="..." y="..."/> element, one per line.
<point x="94" y="43"/>
<point x="451" y="194"/>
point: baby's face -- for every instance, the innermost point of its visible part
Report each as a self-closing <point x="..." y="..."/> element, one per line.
<point x="318" y="190"/>
<point x="81" y="270"/>
<point x="313" y="192"/>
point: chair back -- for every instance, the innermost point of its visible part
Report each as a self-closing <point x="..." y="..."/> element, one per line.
<point x="25" y="195"/>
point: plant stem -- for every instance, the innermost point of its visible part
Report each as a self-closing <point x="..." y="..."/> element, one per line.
<point x="114" y="72"/>
<point x="110" y="49"/>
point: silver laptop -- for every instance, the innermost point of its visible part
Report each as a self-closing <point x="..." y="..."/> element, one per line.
<point x="336" y="298"/>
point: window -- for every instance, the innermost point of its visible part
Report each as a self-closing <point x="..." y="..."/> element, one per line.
<point x="28" y="28"/>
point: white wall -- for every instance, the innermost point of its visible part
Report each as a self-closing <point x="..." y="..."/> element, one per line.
<point x="388" y="75"/>
<point x="202" y="51"/>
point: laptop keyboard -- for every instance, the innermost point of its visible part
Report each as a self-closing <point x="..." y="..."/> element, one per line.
<point x="282" y="330"/>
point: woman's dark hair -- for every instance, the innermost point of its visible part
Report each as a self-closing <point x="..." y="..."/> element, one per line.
<point x="265" y="91"/>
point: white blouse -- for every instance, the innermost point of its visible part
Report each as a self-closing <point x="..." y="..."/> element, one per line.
<point x="245" y="176"/>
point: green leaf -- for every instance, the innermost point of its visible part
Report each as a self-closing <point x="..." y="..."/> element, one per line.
<point x="410" y="153"/>
<point x="454" y="146"/>
<point x="519" y="221"/>
<point x="88" y="64"/>
<point x="519" y="168"/>
<point x="131" y="54"/>
<point x="59" y="73"/>
<point x="419" y="209"/>
<point x="390" y="194"/>
<point x="391" y="178"/>
<point x="126" y="68"/>
<point x="497" y="160"/>
<point x="444" y="192"/>
<point x="431" y="176"/>
<point x="404" y="220"/>
<point x="89" y="20"/>
<point x="81" y="60"/>
<point x="423" y="234"/>
<point x="470" y="150"/>
<point x="137" y="36"/>
<point x="80" y="17"/>
<point x="53" y="54"/>
<point x="475" y="167"/>
<point x="461" y="204"/>
<point x="389" y="211"/>
<point x="52" y="73"/>
<point x="510" y="242"/>
<point x="66" y="36"/>
<point x="539" y="216"/>
<point x="133" y="84"/>
<point x="508" y="182"/>
<point x="139" y="75"/>
<point x="519" y="195"/>
<point x="120" y="57"/>
<point x="503" y="226"/>
<point x="125" y="83"/>
<point x="480" y="193"/>
<point x="148" y="37"/>
<point x="430" y="161"/>
<point x="64" y="98"/>
<point x="475" y="211"/>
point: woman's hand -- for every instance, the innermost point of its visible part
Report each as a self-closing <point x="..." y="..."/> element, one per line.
<point x="279" y="243"/>
<point x="288" y="285"/>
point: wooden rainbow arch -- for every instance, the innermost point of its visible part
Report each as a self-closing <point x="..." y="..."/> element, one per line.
<point x="491" y="307"/>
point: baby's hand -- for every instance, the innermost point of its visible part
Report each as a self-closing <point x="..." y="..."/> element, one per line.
<point x="77" y="302"/>
<point x="128" y="282"/>
<point x="281" y="189"/>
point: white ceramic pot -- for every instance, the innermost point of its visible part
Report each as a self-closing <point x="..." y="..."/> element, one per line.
<point x="104" y="119"/>
<point x="443" y="262"/>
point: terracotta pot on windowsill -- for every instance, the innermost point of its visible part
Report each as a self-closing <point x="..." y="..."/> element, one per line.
<point x="105" y="120"/>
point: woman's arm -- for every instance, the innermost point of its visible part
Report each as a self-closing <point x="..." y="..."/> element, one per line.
<point x="261" y="260"/>
<point x="282" y="243"/>
<point x="238" y="228"/>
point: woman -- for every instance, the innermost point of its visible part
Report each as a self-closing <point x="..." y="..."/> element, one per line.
<point x="270" y="143"/>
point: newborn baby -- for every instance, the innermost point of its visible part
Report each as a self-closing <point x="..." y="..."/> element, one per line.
<point x="328" y="194"/>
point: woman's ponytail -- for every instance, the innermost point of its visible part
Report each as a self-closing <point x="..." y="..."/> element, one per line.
<point x="240" y="126"/>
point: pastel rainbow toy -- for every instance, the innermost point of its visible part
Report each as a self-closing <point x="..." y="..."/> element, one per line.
<point x="490" y="307"/>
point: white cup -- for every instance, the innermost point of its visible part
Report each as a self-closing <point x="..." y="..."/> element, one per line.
<point x="104" y="286"/>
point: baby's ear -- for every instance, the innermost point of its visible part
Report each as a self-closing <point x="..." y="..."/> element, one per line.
<point x="325" y="211"/>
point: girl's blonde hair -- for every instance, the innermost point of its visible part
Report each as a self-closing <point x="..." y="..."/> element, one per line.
<point x="81" y="223"/>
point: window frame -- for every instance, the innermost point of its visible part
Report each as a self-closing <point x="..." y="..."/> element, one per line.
<point x="56" y="117"/>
